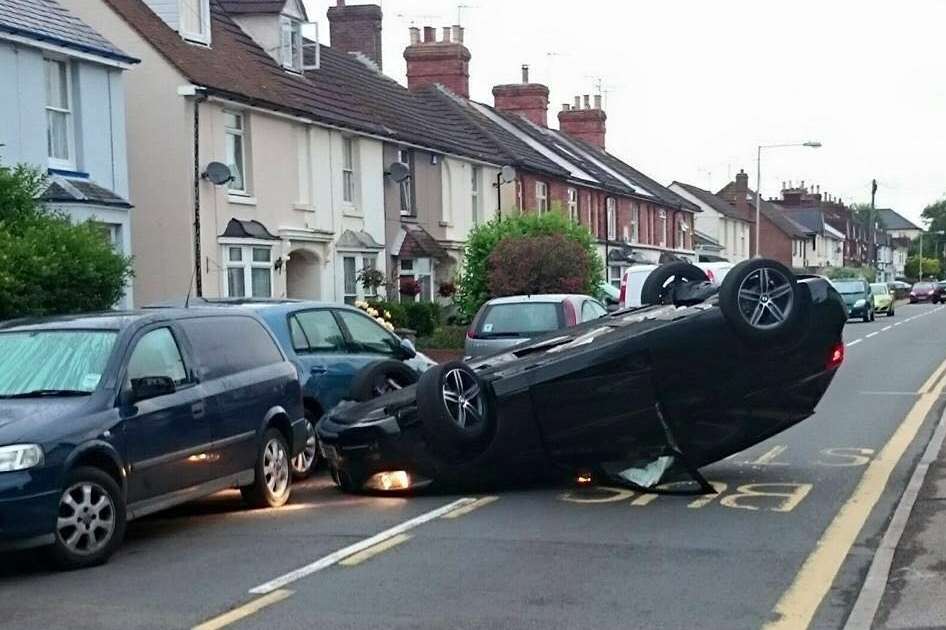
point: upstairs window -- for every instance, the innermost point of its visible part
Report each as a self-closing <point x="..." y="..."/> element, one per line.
<point x="542" y="197"/>
<point x="612" y="218"/>
<point x="235" y="128"/>
<point x="59" y="139"/>
<point x="348" y="170"/>
<point x="634" y="235"/>
<point x="662" y="227"/>
<point x="475" y="193"/>
<point x="406" y="186"/>
<point x="195" y="20"/>
<point x="290" y="42"/>
<point x="573" y="205"/>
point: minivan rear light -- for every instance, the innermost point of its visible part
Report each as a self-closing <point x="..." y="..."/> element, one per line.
<point x="836" y="357"/>
<point x="623" y="294"/>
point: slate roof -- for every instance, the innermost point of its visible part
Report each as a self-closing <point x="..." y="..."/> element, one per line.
<point x="776" y="214"/>
<point x="893" y="220"/>
<point x="809" y="218"/>
<point x="418" y="243"/>
<point x="357" y="239"/>
<point x="718" y="204"/>
<point x="66" y="191"/>
<point x="248" y="7"/>
<point x="239" y="228"/>
<point x="46" y="20"/>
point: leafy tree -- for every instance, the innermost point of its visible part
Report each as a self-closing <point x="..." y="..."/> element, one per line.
<point x="527" y="265"/>
<point x="935" y="215"/>
<point x="473" y="282"/>
<point x="931" y="267"/>
<point x="837" y="273"/>
<point x="48" y="265"/>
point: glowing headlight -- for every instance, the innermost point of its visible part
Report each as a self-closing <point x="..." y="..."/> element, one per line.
<point x="860" y="303"/>
<point x="20" y="457"/>
<point x="389" y="480"/>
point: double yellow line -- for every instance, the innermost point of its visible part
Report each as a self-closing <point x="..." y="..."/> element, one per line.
<point x="797" y="606"/>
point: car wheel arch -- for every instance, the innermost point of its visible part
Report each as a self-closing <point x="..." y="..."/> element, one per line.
<point x="278" y="418"/>
<point x="313" y="408"/>
<point x="101" y="455"/>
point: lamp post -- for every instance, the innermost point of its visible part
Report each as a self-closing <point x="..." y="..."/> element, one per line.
<point x="758" y="179"/>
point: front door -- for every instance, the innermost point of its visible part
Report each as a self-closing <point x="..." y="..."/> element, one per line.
<point x="164" y="436"/>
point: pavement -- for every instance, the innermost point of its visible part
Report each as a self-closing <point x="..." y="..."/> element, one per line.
<point x="786" y="543"/>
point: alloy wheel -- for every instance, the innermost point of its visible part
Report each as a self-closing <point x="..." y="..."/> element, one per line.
<point x="86" y="521"/>
<point x="305" y="461"/>
<point x="463" y="398"/>
<point x="276" y="467"/>
<point x="765" y="298"/>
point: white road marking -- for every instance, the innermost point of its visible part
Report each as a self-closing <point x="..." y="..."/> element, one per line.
<point x="869" y="335"/>
<point x="854" y="343"/>
<point x="898" y="323"/>
<point x="885" y="328"/>
<point x="341" y="554"/>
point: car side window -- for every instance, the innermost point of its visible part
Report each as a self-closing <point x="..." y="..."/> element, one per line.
<point x="321" y="330"/>
<point x="300" y="343"/>
<point x="591" y="310"/>
<point x="366" y="334"/>
<point x="157" y="354"/>
<point x="229" y="344"/>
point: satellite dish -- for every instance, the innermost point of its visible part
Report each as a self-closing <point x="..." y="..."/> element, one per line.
<point x="508" y="174"/>
<point x="399" y="172"/>
<point x="218" y="173"/>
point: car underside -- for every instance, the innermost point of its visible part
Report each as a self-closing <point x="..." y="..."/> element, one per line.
<point x="639" y="396"/>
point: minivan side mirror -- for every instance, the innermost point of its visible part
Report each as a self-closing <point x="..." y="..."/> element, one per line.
<point x="148" y="387"/>
<point x="406" y="350"/>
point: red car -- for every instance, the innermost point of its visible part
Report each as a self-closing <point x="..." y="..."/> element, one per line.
<point x="923" y="292"/>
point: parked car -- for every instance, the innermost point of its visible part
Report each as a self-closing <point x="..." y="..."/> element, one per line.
<point x="883" y="299"/>
<point x="856" y="293"/>
<point x="632" y="282"/>
<point x="611" y="296"/>
<point x="922" y="292"/>
<point x="507" y="321"/>
<point x="632" y="397"/>
<point x="339" y="352"/>
<point x="109" y="417"/>
<point x="900" y="289"/>
<point x="939" y="293"/>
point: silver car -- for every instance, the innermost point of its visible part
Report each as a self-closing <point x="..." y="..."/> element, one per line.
<point x="505" y="322"/>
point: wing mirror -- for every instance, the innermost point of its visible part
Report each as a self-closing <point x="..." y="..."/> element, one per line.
<point x="406" y="350"/>
<point x="148" y="387"/>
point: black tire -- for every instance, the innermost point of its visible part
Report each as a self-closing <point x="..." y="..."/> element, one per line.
<point x="68" y="553"/>
<point x="309" y="459"/>
<point x="890" y="312"/>
<point x="658" y="284"/>
<point x="454" y="409"/>
<point x="759" y="298"/>
<point x="381" y="377"/>
<point x="273" y="482"/>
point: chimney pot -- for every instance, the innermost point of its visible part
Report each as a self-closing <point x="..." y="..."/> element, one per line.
<point x="415" y="35"/>
<point x="577" y="102"/>
<point x="802" y="184"/>
<point x="597" y="101"/>
<point x="587" y="101"/>
<point x="458" y="33"/>
<point x="446" y="34"/>
<point x="429" y="35"/>
<point x="566" y="107"/>
<point x="447" y="63"/>
<point x="525" y="73"/>
<point x="340" y="3"/>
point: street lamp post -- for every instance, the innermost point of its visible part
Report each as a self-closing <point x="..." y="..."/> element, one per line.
<point x="758" y="179"/>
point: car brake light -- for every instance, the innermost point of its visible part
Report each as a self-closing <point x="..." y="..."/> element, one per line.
<point x="837" y="355"/>
<point x="470" y="331"/>
<point x="623" y="294"/>
<point x="571" y="315"/>
<point x="710" y="275"/>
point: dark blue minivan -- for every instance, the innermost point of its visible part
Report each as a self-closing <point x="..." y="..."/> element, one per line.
<point x="105" y="418"/>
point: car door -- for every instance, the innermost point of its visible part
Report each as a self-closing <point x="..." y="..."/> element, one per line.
<point x="326" y="365"/>
<point x="367" y="340"/>
<point x="165" y="435"/>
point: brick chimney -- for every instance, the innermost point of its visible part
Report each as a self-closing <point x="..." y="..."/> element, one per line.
<point x="356" y="29"/>
<point x="445" y="61"/>
<point x="530" y="100"/>
<point x="584" y="122"/>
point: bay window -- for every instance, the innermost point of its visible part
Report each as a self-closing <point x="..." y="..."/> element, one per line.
<point x="249" y="271"/>
<point x="353" y="266"/>
<point x="421" y="271"/>
<point x="60" y="141"/>
<point x="234" y="124"/>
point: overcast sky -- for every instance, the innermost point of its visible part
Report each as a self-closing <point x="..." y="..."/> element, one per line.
<point x="694" y="86"/>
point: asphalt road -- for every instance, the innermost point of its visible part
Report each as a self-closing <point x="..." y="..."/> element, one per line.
<point x="546" y="557"/>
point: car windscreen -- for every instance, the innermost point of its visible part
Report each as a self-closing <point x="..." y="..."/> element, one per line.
<point x="53" y="362"/>
<point x="849" y="288"/>
<point x="879" y="289"/>
<point x="923" y="286"/>
<point x="520" y="319"/>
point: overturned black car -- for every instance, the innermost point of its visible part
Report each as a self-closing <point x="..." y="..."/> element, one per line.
<point x="640" y="396"/>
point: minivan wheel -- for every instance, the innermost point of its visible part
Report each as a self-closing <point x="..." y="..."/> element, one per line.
<point x="90" y="522"/>
<point x="308" y="459"/>
<point x="272" y="484"/>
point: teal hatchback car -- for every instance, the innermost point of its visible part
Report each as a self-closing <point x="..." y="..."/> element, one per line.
<point x="857" y="296"/>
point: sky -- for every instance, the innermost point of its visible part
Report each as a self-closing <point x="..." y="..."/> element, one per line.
<point x="692" y="87"/>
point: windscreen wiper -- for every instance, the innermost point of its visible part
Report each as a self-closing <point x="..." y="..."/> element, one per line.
<point x="44" y="393"/>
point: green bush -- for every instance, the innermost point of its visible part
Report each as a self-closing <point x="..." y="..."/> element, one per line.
<point x="421" y="317"/>
<point x="837" y="273"/>
<point x="444" y="338"/>
<point x="473" y="283"/>
<point x="48" y="265"/>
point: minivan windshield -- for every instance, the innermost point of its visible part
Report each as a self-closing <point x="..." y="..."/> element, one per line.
<point x="53" y="362"/>
<point x="850" y="287"/>
<point x="520" y="319"/>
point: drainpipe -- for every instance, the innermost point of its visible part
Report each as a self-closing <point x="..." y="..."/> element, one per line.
<point x="198" y="279"/>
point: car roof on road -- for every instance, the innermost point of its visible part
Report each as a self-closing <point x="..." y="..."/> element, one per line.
<point x="107" y="320"/>
<point x="544" y="297"/>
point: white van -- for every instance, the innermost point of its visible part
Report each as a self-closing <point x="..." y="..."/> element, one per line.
<point x="633" y="280"/>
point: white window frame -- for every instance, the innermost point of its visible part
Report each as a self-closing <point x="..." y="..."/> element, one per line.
<point x="416" y="274"/>
<point x="682" y="232"/>
<point x="662" y="218"/>
<point x="573" y="205"/>
<point x="475" y="173"/>
<point x="65" y="66"/>
<point x="541" y="197"/>
<point x="246" y="263"/>
<point x="203" y="6"/>
<point x="290" y="43"/>
<point x="360" y="258"/>
<point x="615" y="280"/>
<point x="635" y="223"/>
<point x="611" y="215"/>
<point x="241" y="133"/>
<point x="406" y="187"/>
<point x="348" y="170"/>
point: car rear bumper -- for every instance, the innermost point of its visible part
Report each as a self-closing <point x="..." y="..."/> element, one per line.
<point x="26" y="520"/>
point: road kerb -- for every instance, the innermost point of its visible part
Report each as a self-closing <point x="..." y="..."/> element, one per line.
<point x="797" y="605"/>
<point x="868" y="601"/>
